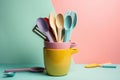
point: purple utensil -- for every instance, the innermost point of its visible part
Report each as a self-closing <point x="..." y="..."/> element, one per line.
<point x="33" y="69"/>
<point x="44" y="28"/>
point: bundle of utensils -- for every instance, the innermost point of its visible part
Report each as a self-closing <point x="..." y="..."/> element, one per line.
<point x="56" y="28"/>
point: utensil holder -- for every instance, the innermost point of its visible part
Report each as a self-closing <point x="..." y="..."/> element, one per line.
<point x="57" y="60"/>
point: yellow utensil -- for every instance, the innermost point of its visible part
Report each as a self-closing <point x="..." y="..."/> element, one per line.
<point x="92" y="65"/>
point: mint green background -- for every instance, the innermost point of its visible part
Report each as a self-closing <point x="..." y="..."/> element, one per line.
<point x="18" y="44"/>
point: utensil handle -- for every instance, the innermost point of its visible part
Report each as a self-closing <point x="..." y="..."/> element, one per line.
<point x="17" y="70"/>
<point x="55" y="33"/>
<point x="67" y="36"/>
<point x="59" y="35"/>
<point x="36" y="31"/>
<point x="49" y="37"/>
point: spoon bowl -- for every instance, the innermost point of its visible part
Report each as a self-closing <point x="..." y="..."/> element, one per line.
<point x="74" y="19"/>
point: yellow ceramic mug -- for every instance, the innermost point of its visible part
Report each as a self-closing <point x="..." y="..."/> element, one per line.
<point x="57" y="61"/>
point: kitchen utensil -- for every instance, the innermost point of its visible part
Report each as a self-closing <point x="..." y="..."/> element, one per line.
<point x="44" y="28"/>
<point x="67" y="26"/>
<point x="60" y="25"/>
<point x="108" y="66"/>
<point x="47" y="20"/>
<point x="74" y="19"/>
<point x="38" y="32"/>
<point x="63" y="31"/>
<point x="50" y="29"/>
<point x="92" y="65"/>
<point x="9" y="74"/>
<point x="53" y="25"/>
<point x="33" y="69"/>
<point x="73" y="23"/>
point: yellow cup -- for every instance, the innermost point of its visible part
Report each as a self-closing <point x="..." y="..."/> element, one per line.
<point x="57" y="61"/>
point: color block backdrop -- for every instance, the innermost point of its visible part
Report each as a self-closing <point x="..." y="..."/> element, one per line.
<point x="97" y="31"/>
<point x="18" y="44"/>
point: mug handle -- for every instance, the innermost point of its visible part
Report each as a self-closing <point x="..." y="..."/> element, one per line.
<point x="73" y="51"/>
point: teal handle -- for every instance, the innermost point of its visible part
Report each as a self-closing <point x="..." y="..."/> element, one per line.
<point x="108" y="66"/>
<point x="67" y="35"/>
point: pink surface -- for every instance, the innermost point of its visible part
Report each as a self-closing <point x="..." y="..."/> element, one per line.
<point x="97" y="31"/>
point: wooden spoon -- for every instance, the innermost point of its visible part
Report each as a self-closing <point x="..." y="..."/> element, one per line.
<point x="53" y="25"/>
<point x="60" y="26"/>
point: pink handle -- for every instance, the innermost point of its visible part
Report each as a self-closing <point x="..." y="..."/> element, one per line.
<point x="18" y="70"/>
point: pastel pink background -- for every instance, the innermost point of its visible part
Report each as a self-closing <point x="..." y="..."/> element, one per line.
<point x="97" y="31"/>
